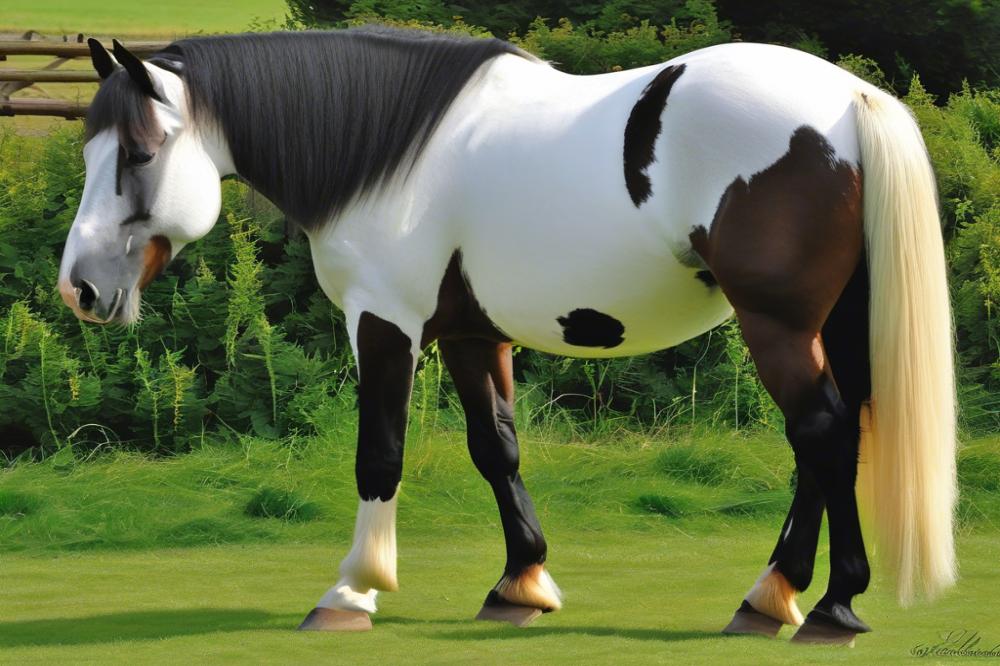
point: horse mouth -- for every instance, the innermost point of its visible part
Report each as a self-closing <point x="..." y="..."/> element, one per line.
<point x="117" y="303"/>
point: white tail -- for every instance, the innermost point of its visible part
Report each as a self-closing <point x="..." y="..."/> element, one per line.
<point x="906" y="475"/>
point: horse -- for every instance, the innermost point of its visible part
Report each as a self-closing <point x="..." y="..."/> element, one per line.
<point x="460" y="190"/>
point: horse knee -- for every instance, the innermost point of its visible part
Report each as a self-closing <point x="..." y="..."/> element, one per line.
<point x="811" y="430"/>
<point x="493" y="446"/>
<point x="378" y="473"/>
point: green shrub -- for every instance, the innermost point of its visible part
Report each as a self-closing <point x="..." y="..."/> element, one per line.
<point x="237" y="337"/>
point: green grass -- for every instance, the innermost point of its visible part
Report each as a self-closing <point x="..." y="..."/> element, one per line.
<point x="280" y="505"/>
<point x="631" y="597"/>
<point x="652" y="561"/>
<point x="127" y="500"/>
<point x="253" y="490"/>
<point x="160" y="20"/>
<point x="14" y="505"/>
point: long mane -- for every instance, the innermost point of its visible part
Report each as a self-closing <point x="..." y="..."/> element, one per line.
<point x="315" y="120"/>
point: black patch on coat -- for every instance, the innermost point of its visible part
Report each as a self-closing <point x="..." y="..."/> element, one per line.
<point x="641" y="131"/>
<point x="707" y="278"/>
<point x="589" y="328"/>
<point x="316" y="120"/>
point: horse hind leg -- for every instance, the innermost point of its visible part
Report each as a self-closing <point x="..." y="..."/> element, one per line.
<point x="790" y="567"/>
<point x="482" y="372"/>
<point x="824" y="438"/>
<point x="770" y="602"/>
<point x="783" y="247"/>
<point x="845" y="336"/>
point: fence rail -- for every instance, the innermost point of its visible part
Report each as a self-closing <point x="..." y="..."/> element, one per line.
<point x="49" y="76"/>
<point x="43" y="107"/>
<point x="13" y="80"/>
<point x="21" y="47"/>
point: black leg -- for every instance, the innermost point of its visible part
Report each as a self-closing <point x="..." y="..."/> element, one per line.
<point x="825" y="439"/>
<point x="845" y="336"/>
<point x="385" y="369"/>
<point x="482" y="373"/>
<point x="795" y="553"/>
<point x="771" y="601"/>
<point x="823" y="432"/>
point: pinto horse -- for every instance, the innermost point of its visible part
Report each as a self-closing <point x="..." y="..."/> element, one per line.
<point x="462" y="191"/>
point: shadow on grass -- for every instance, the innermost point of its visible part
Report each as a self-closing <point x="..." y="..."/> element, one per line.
<point x="499" y="630"/>
<point x="502" y="632"/>
<point x="138" y="626"/>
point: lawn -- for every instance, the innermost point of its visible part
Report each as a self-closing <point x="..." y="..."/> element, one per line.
<point x="631" y="597"/>
<point x="653" y="544"/>
<point x="160" y="20"/>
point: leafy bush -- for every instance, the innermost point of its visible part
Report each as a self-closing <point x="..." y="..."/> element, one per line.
<point x="206" y="355"/>
<point x="585" y="51"/>
<point x="238" y="338"/>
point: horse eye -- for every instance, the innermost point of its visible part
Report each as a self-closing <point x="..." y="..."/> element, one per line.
<point x="139" y="158"/>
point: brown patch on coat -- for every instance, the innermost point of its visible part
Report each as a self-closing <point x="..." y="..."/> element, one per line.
<point x="785" y="243"/>
<point x="154" y="259"/>
<point x="458" y="314"/>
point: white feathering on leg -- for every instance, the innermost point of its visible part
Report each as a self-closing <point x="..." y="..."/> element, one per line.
<point x="774" y="596"/>
<point x="371" y="564"/>
<point x="342" y="597"/>
<point x="372" y="560"/>
<point x="533" y="587"/>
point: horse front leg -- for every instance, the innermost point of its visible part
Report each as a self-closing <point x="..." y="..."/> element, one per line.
<point x="483" y="376"/>
<point x="385" y="368"/>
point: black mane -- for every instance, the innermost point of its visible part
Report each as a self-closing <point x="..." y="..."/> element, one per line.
<point x="317" y="119"/>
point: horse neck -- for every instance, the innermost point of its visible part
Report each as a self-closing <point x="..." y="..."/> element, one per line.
<point x="214" y="143"/>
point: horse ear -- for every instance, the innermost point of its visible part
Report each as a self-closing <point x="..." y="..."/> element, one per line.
<point x="136" y="70"/>
<point x="99" y="55"/>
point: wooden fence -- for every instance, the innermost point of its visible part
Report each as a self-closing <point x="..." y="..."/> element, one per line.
<point x="13" y="79"/>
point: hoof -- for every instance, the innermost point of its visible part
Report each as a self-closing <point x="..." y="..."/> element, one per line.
<point x="747" y="620"/>
<point x="495" y="609"/>
<point x="332" y="619"/>
<point x="836" y="626"/>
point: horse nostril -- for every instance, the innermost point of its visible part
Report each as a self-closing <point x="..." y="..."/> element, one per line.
<point x="87" y="295"/>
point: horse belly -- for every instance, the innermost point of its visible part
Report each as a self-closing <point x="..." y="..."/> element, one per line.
<point x="594" y="297"/>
